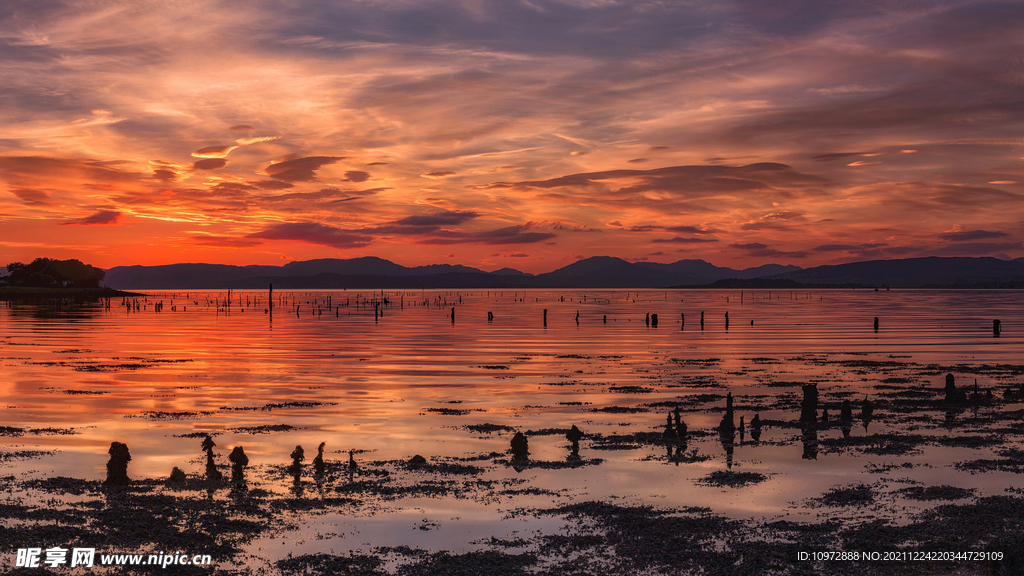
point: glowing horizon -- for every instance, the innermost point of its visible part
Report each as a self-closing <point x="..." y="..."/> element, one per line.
<point x="510" y="134"/>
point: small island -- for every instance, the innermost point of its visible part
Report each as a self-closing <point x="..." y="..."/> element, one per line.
<point x="49" y="278"/>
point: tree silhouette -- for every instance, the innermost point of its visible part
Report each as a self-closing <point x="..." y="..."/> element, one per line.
<point x="49" y="273"/>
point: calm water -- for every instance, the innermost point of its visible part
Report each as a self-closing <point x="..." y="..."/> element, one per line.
<point x="410" y="382"/>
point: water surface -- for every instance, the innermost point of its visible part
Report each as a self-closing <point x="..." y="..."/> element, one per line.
<point x="411" y="381"/>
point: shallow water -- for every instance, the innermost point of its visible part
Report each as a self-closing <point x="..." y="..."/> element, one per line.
<point x="410" y="381"/>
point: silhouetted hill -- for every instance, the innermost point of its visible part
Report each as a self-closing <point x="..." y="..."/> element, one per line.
<point x="368" y="265"/>
<point x="931" y="272"/>
<point x="609" y="272"/>
<point x="603" y="272"/>
<point x="371" y="281"/>
<point x="509" y="272"/>
<point x="181" y="276"/>
<point x="702" y="272"/>
<point x="596" y="272"/>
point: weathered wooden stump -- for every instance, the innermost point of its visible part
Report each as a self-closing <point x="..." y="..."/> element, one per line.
<point x="574" y="435"/>
<point x="809" y="406"/>
<point x="319" y="466"/>
<point x="297" y="456"/>
<point x="238" y="461"/>
<point x="117" y="466"/>
<point x="211" y="467"/>
<point x="727" y="427"/>
<point x="520" y="447"/>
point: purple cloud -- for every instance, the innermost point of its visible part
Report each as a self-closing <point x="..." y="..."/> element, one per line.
<point x="210" y="164"/>
<point x="32" y="197"/>
<point x="507" y="235"/>
<point x="446" y="218"/>
<point x="300" y="169"/>
<point x="762" y="250"/>
<point x="314" y="233"/>
<point x="969" y="235"/>
<point x="357" y="176"/>
<point x="682" y="240"/>
<point x="101" y="218"/>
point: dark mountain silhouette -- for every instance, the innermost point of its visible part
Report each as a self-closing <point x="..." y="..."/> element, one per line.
<point x="609" y="272"/>
<point x="932" y="272"/>
<point x="596" y="272"/>
<point x="603" y="272"/>
<point x="509" y="272"/>
<point x="193" y="276"/>
<point x="370" y="281"/>
<point x="180" y="276"/>
<point x="701" y="272"/>
<point x="371" y="272"/>
<point x="368" y="265"/>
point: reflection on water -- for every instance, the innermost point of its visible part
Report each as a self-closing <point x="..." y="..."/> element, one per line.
<point x="396" y="374"/>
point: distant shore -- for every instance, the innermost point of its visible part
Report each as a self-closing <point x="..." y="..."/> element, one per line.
<point x="25" y="293"/>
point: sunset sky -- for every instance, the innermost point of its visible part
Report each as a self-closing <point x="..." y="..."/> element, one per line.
<point x="520" y="133"/>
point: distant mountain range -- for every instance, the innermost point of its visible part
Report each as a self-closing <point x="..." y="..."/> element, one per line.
<point x="596" y="272"/>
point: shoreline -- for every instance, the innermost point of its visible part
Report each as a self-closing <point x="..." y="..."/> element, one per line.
<point x="614" y="537"/>
<point x="29" y="293"/>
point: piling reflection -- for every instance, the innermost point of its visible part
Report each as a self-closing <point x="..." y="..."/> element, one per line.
<point x="727" y="431"/>
<point x="809" y="440"/>
<point x="867" y="412"/>
<point x="729" y="445"/>
<point x="846" y="418"/>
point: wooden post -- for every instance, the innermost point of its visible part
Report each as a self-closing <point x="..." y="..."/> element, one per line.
<point x="726" y="320"/>
<point x="545" y="317"/>
<point x="701" y="319"/>
<point x="654" y="320"/>
<point x="876" y="323"/>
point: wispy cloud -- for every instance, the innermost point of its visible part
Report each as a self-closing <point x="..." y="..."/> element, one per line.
<point x="742" y="132"/>
<point x="101" y="218"/>
<point x="299" y="169"/>
<point x="313" y="233"/>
